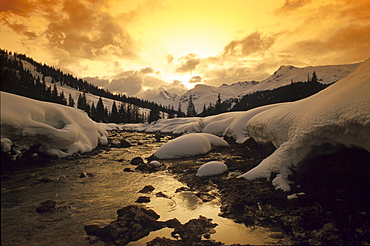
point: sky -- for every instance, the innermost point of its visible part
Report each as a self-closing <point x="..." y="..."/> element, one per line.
<point x="140" y="47"/>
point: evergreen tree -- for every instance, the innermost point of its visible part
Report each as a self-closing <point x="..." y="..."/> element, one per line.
<point x="100" y="111"/>
<point x="153" y="115"/>
<point x="71" y="102"/>
<point x="314" y="77"/>
<point x="62" y="99"/>
<point x="54" y="94"/>
<point x="114" y="116"/>
<point x="191" y="108"/>
<point x="218" y="104"/>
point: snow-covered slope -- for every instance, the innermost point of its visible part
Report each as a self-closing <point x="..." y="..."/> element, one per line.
<point x="288" y="74"/>
<point x="337" y="116"/>
<point x="90" y="98"/>
<point x="205" y="94"/>
<point x="59" y="130"/>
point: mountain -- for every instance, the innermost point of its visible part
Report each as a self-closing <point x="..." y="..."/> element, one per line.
<point x="285" y="75"/>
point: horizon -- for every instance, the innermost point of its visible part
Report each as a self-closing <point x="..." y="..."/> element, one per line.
<point x="139" y="48"/>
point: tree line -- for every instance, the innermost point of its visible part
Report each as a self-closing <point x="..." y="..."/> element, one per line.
<point x="14" y="78"/>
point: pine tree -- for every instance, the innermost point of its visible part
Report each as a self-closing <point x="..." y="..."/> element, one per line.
<point x="191" y="108"/>
<point x="54" y="94"/>
<point x="71" y="102"/>
<point x="114" y="116"/>
<point x="153" y="115"/>
<point x="314" y="77"/>
<point x="100" y="111"/>
<point x="218" y="104"/>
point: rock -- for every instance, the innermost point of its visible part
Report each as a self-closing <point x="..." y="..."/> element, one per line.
<point x="147" y="189"/>
<point x="125" y="143"/>
<point x="136" y="161"/>
<point x="161" y="194"/>
<point x="172" y="223"/>
<point x="183" y="189"/>
<point x="46" y="206"/>
<point x="45" y="180"/>
<point x="147" y="167"/>
<point x="85" y="175"/>
<point x="143" y="199"/>
<point x="133" y="222"/>
<point x="205" y="197"/>
<point x="192" y="231"/>
<point x="127" y="169"/>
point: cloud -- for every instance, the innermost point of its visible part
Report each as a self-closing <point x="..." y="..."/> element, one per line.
<point x="170" y="59"/>
<point x="147" y="70"/>
<point x="350" y="43"/>
<point x="195" y="79"/>
<point x="291" y="5"/>
<point x="251" y="44"/>
<point x="85" y="31"/>
<point x="189" y="63"/>
<point x="131" y="85"/>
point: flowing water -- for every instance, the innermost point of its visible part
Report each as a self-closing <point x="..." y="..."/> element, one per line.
<point x="95" y="198"/>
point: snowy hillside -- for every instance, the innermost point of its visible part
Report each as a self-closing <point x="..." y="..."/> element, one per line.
<point x="288" y="74"/>
<point x="205" y="94"/>
<point x="336" y="116"/>
<point x="74" y="92"/>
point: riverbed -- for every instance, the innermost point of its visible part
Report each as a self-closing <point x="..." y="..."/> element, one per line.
<point x="89" y="189"/>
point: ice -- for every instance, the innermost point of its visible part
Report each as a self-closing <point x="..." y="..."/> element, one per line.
<point x="59" y="130"/>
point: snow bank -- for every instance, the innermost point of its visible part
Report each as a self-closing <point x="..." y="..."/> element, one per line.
<point x="211" y="168"/>
<point x="60" y="130"/>
<point x="189" y="145"/>
<point x="338" y="115"/>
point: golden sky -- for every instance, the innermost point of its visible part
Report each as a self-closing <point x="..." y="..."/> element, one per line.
<point x="138" y="47"/>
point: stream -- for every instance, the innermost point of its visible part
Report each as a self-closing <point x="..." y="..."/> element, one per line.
<point x="91" y="189"/>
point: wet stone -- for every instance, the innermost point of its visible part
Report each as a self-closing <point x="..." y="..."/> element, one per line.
<point x="147" y="189"/>
<point x="125" y="143"/>
<point x="136" y="161"/>
<point x="143" y="199"/>
<point x="161" y="194"/>
<point x="45" y="180"/>
<point x="46" y="206"/>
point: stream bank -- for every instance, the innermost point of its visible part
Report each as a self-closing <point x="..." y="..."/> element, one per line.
<point x="88" y="190"/>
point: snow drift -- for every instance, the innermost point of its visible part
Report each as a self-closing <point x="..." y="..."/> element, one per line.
<point x="338" y="115"/>
<point x="211" y="168"/>
<point x="189" y="145"/>
<point x="59" y="130"/>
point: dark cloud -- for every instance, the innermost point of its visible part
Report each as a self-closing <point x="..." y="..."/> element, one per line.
<point x="253" y="43"/>
<point x="19" y="7"/>
<point x="86" y="32"/>
<point x="349" y="44"/>
<point x="291" y="5"/>
<point x="189" y="63"/>
<point x="147" y="70"/>
<point x="195" y="79"/>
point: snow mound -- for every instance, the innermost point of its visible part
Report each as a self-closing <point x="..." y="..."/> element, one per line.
<point x="189" y="145"/>
<point x="59" y="130"/>
<point x="338" y="115"/>
<point x="211" y="168"/>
